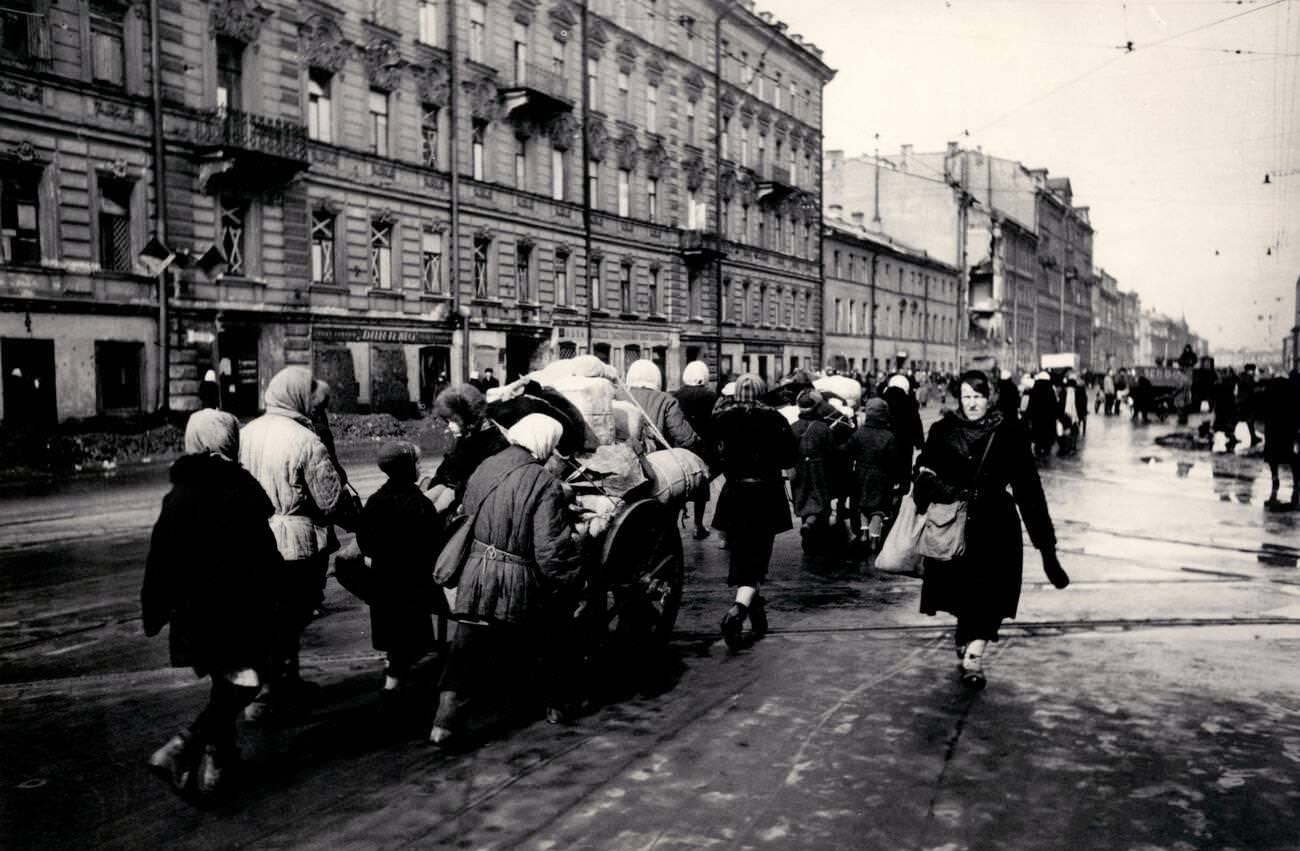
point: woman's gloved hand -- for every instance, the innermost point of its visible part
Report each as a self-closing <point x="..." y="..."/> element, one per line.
<point x="1052" y="567"/>
<point x="923" y="489"/>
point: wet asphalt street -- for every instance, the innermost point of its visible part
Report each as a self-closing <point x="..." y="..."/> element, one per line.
<point x="1154" y="704"/>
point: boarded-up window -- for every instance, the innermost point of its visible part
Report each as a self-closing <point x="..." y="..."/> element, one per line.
<point x="115" y="224"/>
<point x="106" y="44"/>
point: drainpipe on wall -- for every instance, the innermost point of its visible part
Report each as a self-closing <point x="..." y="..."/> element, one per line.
<point x="160" y="206"/>
<point x="871" y="344"/>
<point x="717" y="187"/>
<point x="586" y="178"/>
<point x="459" y="308"/>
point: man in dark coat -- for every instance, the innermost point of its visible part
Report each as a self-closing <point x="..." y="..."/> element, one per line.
<point x="881" y="467"/>
<point x="975" y="454"/>
<point x="1225" y="407"/>
<point x="1246" y="402"/>
<point x="904" y="416"/>
<point x="1281" y="421"/>
<point x="1043" y="413"/>
<point x="399" y="531"/>
<point x="209" y="574"/>
<point x="754" y="447"/>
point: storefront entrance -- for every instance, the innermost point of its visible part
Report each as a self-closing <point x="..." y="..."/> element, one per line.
<point x="237" y="371"/>
<point x="29" y="382"/>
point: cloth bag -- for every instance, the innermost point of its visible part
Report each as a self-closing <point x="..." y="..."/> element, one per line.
<point x="943" y="532"/>
<point x="899" y="553"/>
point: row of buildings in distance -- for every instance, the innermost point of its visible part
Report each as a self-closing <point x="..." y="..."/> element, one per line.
<point x="400" y="192"/>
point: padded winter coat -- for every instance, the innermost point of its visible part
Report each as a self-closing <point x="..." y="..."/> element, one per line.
<point x="665" y="412"/>
<point x="211" y="569"/>
<point x="881" y="466"/>
<point x="754" y="448"/>
<point x="294" y="467"/>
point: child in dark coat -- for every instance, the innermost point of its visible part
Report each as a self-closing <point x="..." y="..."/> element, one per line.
<point x="399" y="532"/>
<point x="882" y="468"/>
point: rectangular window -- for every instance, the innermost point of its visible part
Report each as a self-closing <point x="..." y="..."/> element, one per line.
<point x="690" y="122"/>
<point x="691" y="223"/>
<point x="14" y="33"/>
<point x="431" y="261"/>
<point x="320" y="110"/>
<point x="428" y="21"/>
<point x="230" y="74"/>
<point x="477" y="30"/>
<point x="115" y="224"/>
<point x="693" y="291"/>
<point x="117" y="373"/>
<point x="596" y="284"/>
<point x="653" y="292"/>
<point x="744" y="222"/>
<point x="233" y="214"/>
<point x="477" y="142"/>
<point x="593" y="184"/>
<point x="482" y="247"/>
<point x="523" y="272"/>
<point x="726" y="137"/>
<point x="762" y="155"/>
<point x="322" y="246"/>
<point x="381" y="254"/>
<point x="593" y="84"/>
<point x="429" y="135"/>
<point x="652" y="199"/>
<point x="106" y="45"/>
<point x="776" y="89"/>
<point x="520" y="54"/>
<point x="20" y="235"/>
<point x="744" y="146"/>
<point x="378" y="123"/>
<point x="624" y="192"/>
<point x="625" y="288"/>
<point x="557" y="174"/>
<point x="652" y="107"/>
<point x="521" y="163"/>
<point x="624" y="97"/>
<point x="557" y="58"/>
<point x="562" y="278"/>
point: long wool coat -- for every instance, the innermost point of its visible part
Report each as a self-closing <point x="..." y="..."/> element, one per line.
<point x="984" y="583"/>
<point x="523" y="518"/>
<point x="400" y="531"/>
<point x="754" y="447"/>
<point x="212" y="567"/>
<point x="881" y="466"/>
<point x="810" y="487"/>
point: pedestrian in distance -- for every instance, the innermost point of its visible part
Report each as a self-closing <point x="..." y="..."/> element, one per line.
<point x="1043" y="414"/>
<point x="211" y="575"/>
<point x="1110" y="393"/>
<point x="283" y="452"/>
<point x="1074" y="414"/>
<point x="644" y="380"/>
<point x="697" y="399"/>
<point x="1008" y="396"/>
<point x="1246" y="401"/>
<point x="1225" y="408"/>
<point x="881" y="468"/>
<point x="904" y="416"/>
<point x="754" y="446"/>
<point x="398" y="531"/>
<point x="975" y="454"/>
<point x="519" y="587"/>
<point x="810" y="485"/>
<point x="1281" y="421"/>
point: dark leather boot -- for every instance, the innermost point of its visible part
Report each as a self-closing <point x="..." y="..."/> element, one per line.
<point x="758" y="617"/>
<point x="733" y="624"/>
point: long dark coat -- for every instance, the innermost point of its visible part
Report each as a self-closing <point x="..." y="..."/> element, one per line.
<point x="810" y="486"/>
<point x="400" y="531"/>
<point x="880" y="465"/>
<point x="984" y="583"/>
<point x="697" y="404"/>
<point x="533" y="556"/>
<point x="1043" y="413"/>
<point x="470" y="451"/>
<point x="1281" y="420"/>
<point x="904" y="417"/>
<point x="754" y="447"/>
<point x="212" y="568"/>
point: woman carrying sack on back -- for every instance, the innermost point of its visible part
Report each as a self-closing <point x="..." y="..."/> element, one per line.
<point x="974" y="454"/>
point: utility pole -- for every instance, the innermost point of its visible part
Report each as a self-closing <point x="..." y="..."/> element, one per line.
<point x="875" y="218"/>
<point x="461" y="310"/>
<point x="587" y="200"/>
<point x="871" y="344"/>
<point x="963" y="277"/>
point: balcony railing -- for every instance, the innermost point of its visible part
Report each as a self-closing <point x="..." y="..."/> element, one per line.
<point x="780" y="174"/>
<point x="700" y="245"/>
<point x="539" y="78"/>
<point x="244" y="131"/>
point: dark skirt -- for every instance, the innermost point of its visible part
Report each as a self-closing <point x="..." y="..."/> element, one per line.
<point x="401" y="614"/>
<point x="750" y="555"/>
<point x="753" y="505"/>
<point x="984" y="583"/>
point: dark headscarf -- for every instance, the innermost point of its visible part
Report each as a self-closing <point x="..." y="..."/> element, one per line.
<point x="750" y="389"/>
<point x="398" y="460"/>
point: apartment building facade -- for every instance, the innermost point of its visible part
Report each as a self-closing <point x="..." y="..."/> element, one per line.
<point x="312" y="145"/>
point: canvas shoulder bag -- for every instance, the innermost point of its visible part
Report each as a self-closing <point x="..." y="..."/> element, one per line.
<point x="943" y="536"/>
<point x="451" y="559"/>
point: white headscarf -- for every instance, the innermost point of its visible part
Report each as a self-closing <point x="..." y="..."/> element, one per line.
<point x="537" y="433"/>
<point x="900" y="381"/>
<point x="696" y="374"/>
<point x="212" y="431"/>
<point x="644" y="373"/>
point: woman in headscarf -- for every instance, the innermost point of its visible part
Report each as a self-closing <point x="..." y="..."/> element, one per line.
<point x="209" y="574"/>
<point x="697" y="400"/>
<point x="754" y="447"/>
<point x="643" y="381"/>
<point x="520" y="580"/>
<point x="974" y="454"/>
<point x="477" y="439"/>
<point x="820" y="455"/>
<point x="904" y="416"/>
<point x="1044" y="414"/>
<point x="882" y="469"/>
<point x="286" y="456"/>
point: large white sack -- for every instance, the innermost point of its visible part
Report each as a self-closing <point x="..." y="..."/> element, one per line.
<point x="675" y="473"/>
<point x="594" y="399"/>
<point x="841" y="385"/>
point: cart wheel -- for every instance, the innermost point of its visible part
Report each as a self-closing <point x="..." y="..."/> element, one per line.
<point x="642" y="573"/>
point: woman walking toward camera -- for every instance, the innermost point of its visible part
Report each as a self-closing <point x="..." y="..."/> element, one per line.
<point x="974" y="454"/>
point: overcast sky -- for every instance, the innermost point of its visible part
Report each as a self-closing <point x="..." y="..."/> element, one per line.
<point x="1168" y="144"/>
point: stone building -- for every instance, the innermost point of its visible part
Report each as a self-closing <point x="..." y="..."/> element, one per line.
<point x="312" y="144"/>
<point x="887" y="306"/>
